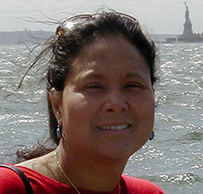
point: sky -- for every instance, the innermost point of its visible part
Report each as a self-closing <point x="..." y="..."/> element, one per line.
<point x="156" y="16"/>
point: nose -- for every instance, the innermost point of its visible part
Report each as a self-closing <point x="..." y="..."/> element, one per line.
<point x="115" y="101"/>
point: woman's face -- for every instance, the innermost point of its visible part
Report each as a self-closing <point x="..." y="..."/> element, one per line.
<point x="107" y="105"/>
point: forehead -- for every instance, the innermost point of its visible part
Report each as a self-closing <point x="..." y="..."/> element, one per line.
<point x="108" y="50"/>
<point x="110" y="54"/>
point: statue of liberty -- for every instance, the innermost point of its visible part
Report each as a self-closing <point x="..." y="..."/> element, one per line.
<point x="187" y="24"/>
<point x="187" y="18"/>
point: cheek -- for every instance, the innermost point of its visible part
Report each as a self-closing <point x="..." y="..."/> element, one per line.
<point x="72" y="106"/>
<point x="147" y="114"/>
<point x="144" y="116"/>
<point x="78" y="118"/>
<point x="149" y="107"/>
<point x="144" y="106"/>
<point x="78" y="111"/>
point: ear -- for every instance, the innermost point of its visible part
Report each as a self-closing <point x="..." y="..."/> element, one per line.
<point x="56" y="102"/>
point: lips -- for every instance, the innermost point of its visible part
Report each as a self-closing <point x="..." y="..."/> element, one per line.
<point x="114" y="127"/>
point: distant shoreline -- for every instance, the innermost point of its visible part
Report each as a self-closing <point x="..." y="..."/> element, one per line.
<point x="19" y="37"/>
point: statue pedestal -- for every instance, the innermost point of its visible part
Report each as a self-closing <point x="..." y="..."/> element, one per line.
<point x="187" y="29"/>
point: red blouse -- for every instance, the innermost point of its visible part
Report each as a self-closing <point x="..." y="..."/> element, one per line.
<point x="10" y="183"/>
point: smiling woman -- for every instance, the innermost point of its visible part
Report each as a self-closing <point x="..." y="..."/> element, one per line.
<point x="101" y="105"/>
<point x="111" y="93"/>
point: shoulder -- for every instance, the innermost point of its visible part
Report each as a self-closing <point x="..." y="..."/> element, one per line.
<point x="140" y="186"/>
<point x="10" y="182"/>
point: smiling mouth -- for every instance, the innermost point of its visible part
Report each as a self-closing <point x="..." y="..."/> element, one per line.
<point x="116" y="128"/>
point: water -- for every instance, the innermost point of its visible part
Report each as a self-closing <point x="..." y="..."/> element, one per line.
<point x="173" y="160"/>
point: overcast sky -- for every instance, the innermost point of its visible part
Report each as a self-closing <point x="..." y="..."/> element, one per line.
<point x="157" y="16"/>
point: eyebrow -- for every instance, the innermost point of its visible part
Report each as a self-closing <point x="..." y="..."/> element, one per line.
<point x="95" y="75"/>
<point x="89" y="76"/>
<point x="135" y="75"/>
<point x="132" y="75"/>
<point x="92" y="75"/>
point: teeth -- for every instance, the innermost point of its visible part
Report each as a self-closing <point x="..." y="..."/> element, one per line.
<point x="120" y="127"/>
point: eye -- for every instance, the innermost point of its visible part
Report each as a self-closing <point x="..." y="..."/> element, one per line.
<point x="133" y="85"/>
<point x="94" y="86"/>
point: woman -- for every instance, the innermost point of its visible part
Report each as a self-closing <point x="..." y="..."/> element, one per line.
<point x="101" y="106"/>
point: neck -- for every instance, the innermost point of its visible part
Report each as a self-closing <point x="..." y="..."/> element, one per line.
<point x="97" y="174"/>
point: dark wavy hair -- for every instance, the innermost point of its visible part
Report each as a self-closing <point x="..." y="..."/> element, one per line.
<point x="71" y="36"/>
